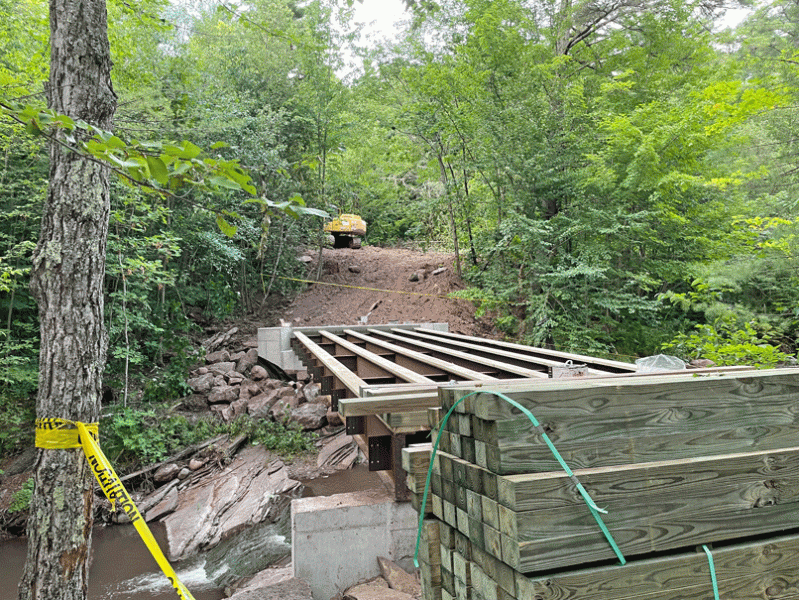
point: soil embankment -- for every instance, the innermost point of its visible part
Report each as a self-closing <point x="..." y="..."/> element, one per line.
<point x="384" y="285"/>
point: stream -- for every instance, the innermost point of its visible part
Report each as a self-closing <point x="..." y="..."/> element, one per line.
<point x="122" y="568"/>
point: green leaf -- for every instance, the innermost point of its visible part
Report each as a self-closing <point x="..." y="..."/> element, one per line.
<point x="225" y="227"/>
<point x="224" y="182"/>
<point x="158" y="170"/>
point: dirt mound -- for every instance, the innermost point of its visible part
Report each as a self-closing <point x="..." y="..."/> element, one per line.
<point x="384" y="285"/>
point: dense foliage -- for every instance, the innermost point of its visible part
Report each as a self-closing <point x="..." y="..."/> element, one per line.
<point x="616" y="178"/>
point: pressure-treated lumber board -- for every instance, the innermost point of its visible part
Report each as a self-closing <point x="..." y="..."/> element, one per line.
<point x="465" y="356"/>
<point x="651" y="508"/>
<point x="598" y="363"/>
<point x="759" y="478"/>
<point x="349" y="379"/>
<point x="405" y="422"/>
<point x="482" y="349"/>
<point x="385" y="364"/>
<point x="640" y="420"/>
<point x="445" y="366"/>
<point x="356" y="407"/>
<point x="766" y="569"/>
<point x="613" y="397"/>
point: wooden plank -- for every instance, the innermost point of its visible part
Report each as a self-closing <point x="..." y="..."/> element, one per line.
<point x="385" y="364"/>
<point x="762" y="478"/>
<point x="484" y="348"/>
<point x="405" y="422"/>
<point x="767" y="569"/>
<point x="445" y="366"/>
<point x="598" y="363"/>
<point x="349" y="379"/>
<point x="356" y="407"/>
<point x="641" y="421"/>
<point x="469" y="358"/>
<point x="669" y="516"/>
<point x="615" y="396"/>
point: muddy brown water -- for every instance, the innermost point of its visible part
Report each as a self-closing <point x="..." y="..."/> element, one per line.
<point x="122" y="568"/>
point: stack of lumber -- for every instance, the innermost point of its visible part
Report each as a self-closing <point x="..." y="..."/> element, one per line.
<point x="678" y="462"/>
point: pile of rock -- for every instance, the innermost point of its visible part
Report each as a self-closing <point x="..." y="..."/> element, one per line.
<point x="233" y="384"/>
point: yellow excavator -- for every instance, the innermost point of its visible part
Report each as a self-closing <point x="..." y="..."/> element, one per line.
<point x="346" y="231"/>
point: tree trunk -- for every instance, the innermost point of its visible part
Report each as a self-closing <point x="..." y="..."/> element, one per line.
<point x="67" y="282"/>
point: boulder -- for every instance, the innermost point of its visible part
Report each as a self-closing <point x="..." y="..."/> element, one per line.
<point x="258" y="406"/>
<point x="239" y="407"/>
<point x="223" y="411"/>
<point x="258" y="373"/>
<point x="334" y="418"/>
<point x="217" y="357"/>
<point x="397" y="578"/>
<point x="166" y="472"/>
<point x="242" y="494"/>
<point x="167" y="505"/>
<point x="290" y="589"/>
<point x="283" y="406"/>
<point x="195" y="464"/>
<point x="225" y="393"/>
<point x="248" y="360"/>
<point x="311" y="391"/>
<point x="236" y="379"/>
<point x="201" y="384"/>
<point x="236" y="356"/>
<point x="285" y="392"/>
<point x="310" y="416"/>
<point x="270" y="384"/>
<point x="375" y="589"/>
<point x="222" y="368"/>
<point x="195" y="403"/>
<point x="184" y="472"/>
<point x="338" y="451"/>
<point x="202" y="370"/>
<point x="248" y="389"/>
<point x="219" y="380"/>
<point x="219" y="339"/>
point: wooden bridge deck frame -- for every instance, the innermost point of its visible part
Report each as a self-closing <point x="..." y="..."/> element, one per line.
<point x="383" y="379"/>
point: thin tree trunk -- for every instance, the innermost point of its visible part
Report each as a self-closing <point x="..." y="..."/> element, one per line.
<point x="67" y="282"/>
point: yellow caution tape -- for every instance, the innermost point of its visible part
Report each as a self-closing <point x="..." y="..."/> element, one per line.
<point x="62" y="434"/>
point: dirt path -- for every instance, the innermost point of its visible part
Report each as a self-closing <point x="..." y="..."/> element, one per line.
<point x="374" y="284"/>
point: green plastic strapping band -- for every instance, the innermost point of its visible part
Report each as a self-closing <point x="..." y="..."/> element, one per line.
<point x="712" y="571"/>
<point x="595" y="510"/>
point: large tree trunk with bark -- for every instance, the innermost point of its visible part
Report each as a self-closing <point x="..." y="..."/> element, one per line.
<point x="67" y="281"/>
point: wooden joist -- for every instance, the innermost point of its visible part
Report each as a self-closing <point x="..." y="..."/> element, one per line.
<point x="447" y="367"/>
<point x="355" y="407"/>
<point x="349" y="379"/>
<point x="400" y="372"/>
<point x="503" y="367"/>
<point x="599" y="364"/>
<point x="482" y="349"/>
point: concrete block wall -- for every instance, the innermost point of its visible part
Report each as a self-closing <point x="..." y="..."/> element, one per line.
<point x="336" y="539"/>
